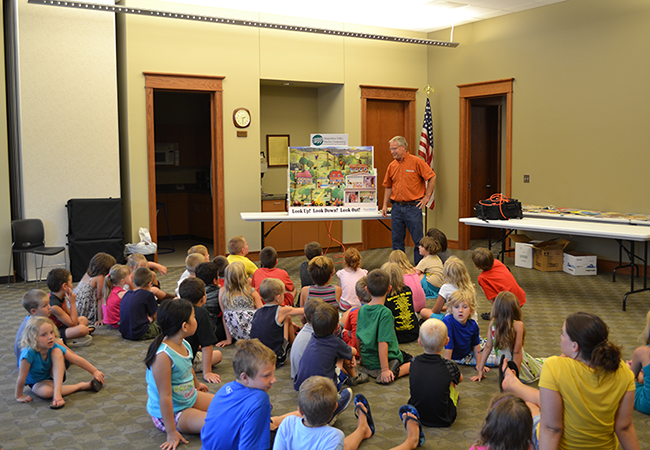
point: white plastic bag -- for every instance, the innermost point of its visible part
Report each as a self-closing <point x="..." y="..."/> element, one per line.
<point x="146" y="246"/>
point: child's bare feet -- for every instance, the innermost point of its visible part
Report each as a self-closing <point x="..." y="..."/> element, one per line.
<point x="362" y="411"/>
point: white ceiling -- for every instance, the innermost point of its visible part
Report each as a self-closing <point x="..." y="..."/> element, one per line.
<point x="413" y="15"/>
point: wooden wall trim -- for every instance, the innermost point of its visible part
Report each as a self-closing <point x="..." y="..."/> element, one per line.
<point x="388" y="93"/>
<point x="185" y="82"/>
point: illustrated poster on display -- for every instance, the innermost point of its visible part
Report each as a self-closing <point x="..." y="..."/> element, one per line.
<point x="326" y="180"/>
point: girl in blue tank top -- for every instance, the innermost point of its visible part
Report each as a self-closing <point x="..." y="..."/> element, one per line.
<point x="177" y="402"/>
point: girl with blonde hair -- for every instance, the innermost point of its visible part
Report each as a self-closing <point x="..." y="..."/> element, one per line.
<point x="411" y="278"/>
<point x="238" y="301"/>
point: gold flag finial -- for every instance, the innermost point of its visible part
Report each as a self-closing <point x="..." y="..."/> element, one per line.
<point x="428" y="89"/>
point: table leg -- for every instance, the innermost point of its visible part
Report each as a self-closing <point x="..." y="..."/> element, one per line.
<point x="645" y="272"/>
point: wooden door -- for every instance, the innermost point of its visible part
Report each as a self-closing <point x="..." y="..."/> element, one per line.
<point x="386" y="112"/>
<point x="469" y="93"/>
<point x="485" y="148"/>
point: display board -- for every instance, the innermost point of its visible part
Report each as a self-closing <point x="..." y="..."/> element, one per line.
<point x="326" y="180"/>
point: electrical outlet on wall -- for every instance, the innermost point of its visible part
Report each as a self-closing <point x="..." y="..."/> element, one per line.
<point x="526" y="178"/>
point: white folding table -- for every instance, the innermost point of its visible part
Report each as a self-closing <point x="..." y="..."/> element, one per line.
<point x="619" y="231"/>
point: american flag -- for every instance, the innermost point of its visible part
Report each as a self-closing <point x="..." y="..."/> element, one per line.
<point x="426" y="144"/>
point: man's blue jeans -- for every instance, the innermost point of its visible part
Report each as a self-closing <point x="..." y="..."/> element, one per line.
<point x="405" y="216"/>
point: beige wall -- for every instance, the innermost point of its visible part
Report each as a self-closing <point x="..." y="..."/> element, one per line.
<point x="580" y="105"/>
<point x="244" y="56"/>
<point x="5" y="205"/>
<point x="68" y="111"/>
<point x="286" y="110"/>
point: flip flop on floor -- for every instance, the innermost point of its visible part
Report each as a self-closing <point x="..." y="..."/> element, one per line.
<point x="404" y="417"/>
<point x="91" y="329"/>
<point x="360" y="398"/>
<point x="57" y="405"/>
<point x="96" y="385"/>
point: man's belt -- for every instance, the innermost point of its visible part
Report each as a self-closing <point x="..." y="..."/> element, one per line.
<point x="414" y="202"/>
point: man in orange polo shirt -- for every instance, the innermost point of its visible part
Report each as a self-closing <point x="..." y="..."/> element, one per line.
<point x="406" y="187"/>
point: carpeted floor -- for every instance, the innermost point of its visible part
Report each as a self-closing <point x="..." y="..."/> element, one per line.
<point x="116" y="418"/>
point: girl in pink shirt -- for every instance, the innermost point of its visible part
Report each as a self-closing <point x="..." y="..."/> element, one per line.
<point x="113" y="293"/>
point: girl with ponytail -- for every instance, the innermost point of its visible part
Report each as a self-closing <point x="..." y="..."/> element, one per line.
<point x="177" y="402"/>
<point x="585" y="396"/>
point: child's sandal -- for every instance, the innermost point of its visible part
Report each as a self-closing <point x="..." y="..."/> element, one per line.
<point x="56" y="405"/>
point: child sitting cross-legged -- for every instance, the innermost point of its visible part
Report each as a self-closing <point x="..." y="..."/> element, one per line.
<point x="272" y="323"/>
<point x="177" y="401"/>
<point x="269" y="269"/>
<point x="495" y="277"/>
<point x="321" y="269"/>
<point x="433" y="379"/>
<point x="317" y="401"/>
<point x="238" y="301"/>
<point x="209" y="273"/>
<point x="138" y="309"/>
<point x="190" y="268"/>
<point x="380" y="351"/>
<point x="113" y="293"/>
<point x="193" y="290"/>
<point x="400" y="303"/>
<point x="430" y="266"/>
<point x="325" y="352"/>
<point x="42" y="365"/>
<point x="455" y="277"/>
<point x="239" y="415"/>
<point x="73" y="328"/>
<point x="304" y="336"/>
<point x="506" y="335"/>
<point x="464" y="344"/>
<point x="350" y="317"/>
<point x="348" y="277"/>
<point x="192" y="261"/>
<point x="238" y="249"/>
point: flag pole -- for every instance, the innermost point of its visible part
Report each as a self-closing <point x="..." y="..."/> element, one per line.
<point x="426" y="148"/>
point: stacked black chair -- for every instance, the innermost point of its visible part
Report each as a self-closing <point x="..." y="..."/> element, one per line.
<point x="94" y="225"/>
<point x="28" y="236"/>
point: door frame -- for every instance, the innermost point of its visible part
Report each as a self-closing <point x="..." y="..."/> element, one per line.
<point x="467" y="93"/>
<point x="406" y="95"/>
<point x="212" y="85"/>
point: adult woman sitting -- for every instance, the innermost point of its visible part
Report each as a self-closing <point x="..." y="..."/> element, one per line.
<point x="586" y="396"/>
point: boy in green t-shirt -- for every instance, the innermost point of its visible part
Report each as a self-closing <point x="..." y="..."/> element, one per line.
<point x="380" y="351"/>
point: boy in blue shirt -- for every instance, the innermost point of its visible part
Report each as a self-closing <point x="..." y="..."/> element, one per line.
<point x="138" y="309"/>
<point x="240" y="412"/>
<point x="462" y="330"/>
<point x="317" y="401"/>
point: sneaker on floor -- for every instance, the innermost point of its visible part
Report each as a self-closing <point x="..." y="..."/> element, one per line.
<point x="198" y="362"/>
<point x="361" y="377"/>
<point x="345" y="397"/>
<point x="485" y="316"/>
<point x="80" y="342"/>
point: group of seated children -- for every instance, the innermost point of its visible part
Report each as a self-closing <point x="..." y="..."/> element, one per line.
<point x="363" y="320"/>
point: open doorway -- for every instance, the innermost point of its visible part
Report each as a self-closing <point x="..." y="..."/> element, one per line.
<point x="485" y="147"/>
<point x="185" y="148"/>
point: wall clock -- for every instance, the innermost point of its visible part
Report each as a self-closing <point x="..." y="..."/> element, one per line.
<point x="241" y="117"/>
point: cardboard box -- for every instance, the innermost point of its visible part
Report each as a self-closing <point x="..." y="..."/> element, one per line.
<point x="580" y="263"/>
<point x="549" y="255"/>
<point x="523" y="250"/>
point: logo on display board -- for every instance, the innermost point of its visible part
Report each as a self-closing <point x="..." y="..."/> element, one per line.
<point x="327" y="140"/>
